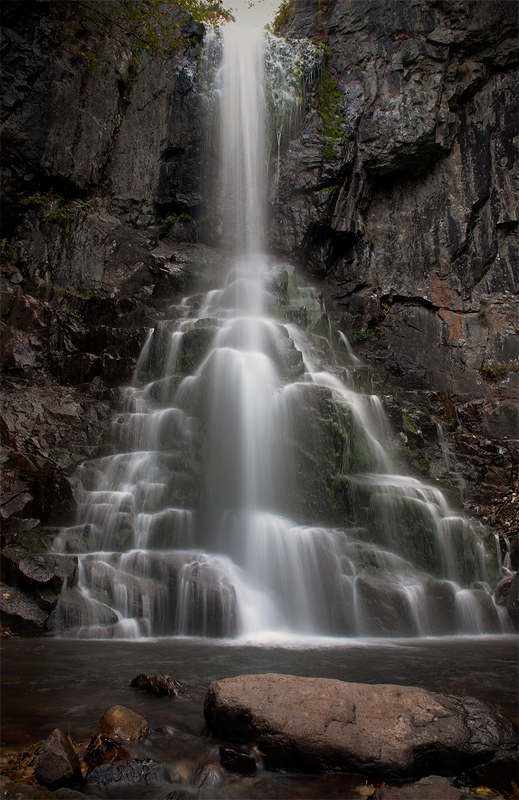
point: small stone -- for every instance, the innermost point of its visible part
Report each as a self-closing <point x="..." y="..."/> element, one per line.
<point x="160" y="685"/>
<point x="238" y="759"/>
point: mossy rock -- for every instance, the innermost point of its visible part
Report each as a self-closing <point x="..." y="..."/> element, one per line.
<point x="106" y="449"/>
<point x="196" y="344"/>
<point x="440" y="604"/>
<point x="314" y="434"/>
<point x="298" y="316"/>
<point x="403" y="526"/>
<point x="122" y="536"/>
<point x="36" y="540"/>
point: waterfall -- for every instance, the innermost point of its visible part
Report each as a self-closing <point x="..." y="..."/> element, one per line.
<point x="251" y="491"/>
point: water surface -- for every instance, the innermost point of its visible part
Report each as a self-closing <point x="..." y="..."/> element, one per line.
<point x="48" y="683"/>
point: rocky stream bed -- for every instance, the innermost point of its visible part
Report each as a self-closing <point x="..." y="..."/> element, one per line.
<point x="264" y="735"/>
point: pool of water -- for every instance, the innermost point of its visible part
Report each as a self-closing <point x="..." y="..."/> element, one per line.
<point x="49" y="683"/>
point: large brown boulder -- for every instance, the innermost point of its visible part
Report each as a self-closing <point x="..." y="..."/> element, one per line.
<point x="321" y="724"/>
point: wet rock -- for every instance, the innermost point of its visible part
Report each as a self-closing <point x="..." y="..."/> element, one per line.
<point x="102" y="750"/>
<point x="75" y="611"/>
<point x="28" y="570"/>
<point x="312" y="724"/>
<point x="506" y="595"/>
<point x="239" y="759"/>
<point x="57" y="763"/>
<point x="498" y="774"/>
<point x="433" y="787"/>
<point x="123" y="726"/>
<point x="441" y="611"/>
<point x="181" y="794"/>
<point x="19" y="791"/>
<point x="132" y="774"/>
<point x="195" y="347"/>
<point x="315" y="433"/>
<point x="20" y="613"/>
<point x="209" y="775"/>
<point x="384" y="608"/>
<point x="160" y="685"/>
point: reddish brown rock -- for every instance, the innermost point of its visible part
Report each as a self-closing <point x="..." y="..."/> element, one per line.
<point x="320" y="724"/>
<point x="122" y="725"/>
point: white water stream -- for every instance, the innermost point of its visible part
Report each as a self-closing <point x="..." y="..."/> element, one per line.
<point x="252" y="493"/>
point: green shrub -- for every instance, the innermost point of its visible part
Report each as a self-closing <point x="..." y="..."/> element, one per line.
<point x="329" y="107"/>
<point x="167" y="223"/>
<point x="51" y="205"/>
<point x="283" y="15"/>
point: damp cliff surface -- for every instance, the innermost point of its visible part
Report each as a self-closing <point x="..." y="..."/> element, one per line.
<point x="399" y="194"/>
<point x="99" y="141"/>
<point x="396" y="188"/>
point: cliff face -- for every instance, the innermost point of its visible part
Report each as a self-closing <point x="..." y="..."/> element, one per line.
<point x="401" y="193"/>
<point x="396" y="195"/>
<point x="413" y="218"/>
<point x="97" y="145"/>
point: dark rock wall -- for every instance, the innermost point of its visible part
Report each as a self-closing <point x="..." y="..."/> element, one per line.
<point x="98" y="144"/>
<point x="408" y="219"/>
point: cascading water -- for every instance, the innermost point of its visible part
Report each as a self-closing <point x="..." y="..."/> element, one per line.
<point x="252" y="491"/>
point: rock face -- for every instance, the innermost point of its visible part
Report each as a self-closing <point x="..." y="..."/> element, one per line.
<point x="400" y="189"/>
<point x="98" y="145"/>
<point x="319" y="724"/>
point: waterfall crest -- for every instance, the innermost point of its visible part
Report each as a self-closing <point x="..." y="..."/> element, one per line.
<point x="252" y="491"/>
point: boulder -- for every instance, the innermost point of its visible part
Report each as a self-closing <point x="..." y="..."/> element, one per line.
<point x="160" y="685"/>
<point x="122" y="725"/>
<point x="315" y="724"/>
<point x="132" y="773"/>
<point x="57" y="763"/>
<point x="20" y="612"/>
